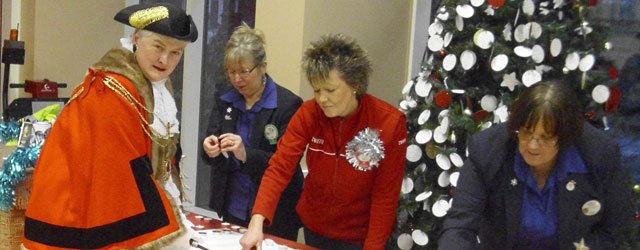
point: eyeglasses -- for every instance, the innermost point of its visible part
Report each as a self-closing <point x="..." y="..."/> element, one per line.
<point x="243" y="74"/>
<point x="526" y="137"/>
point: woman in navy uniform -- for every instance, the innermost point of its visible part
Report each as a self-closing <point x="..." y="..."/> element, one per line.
<point x="246" y="123"/>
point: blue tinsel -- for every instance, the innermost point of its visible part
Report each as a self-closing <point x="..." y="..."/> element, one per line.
<point x="14" y="172"/>
<point x="9" y="131"/>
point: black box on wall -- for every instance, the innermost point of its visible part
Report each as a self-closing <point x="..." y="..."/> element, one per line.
<point x="13" y="52"/>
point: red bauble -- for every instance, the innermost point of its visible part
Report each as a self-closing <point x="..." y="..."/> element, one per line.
<point x="443" y="99"/>
<point x="614" y="99"/>
<point x="443" y="53"/>
<point x="480" y="115"/>
<point x="496" y="3"/>
<point x="613" y="73"/>
<point x="590" y="115"/>
<point x="637" y="217"/>
<point x="593" y="2"/>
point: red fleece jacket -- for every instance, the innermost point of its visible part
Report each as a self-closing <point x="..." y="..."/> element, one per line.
<point x="339" y="201"/>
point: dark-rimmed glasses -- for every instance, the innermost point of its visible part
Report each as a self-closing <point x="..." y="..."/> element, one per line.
<point x="527" y="136"/>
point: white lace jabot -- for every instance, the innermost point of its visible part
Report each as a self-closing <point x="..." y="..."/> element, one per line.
<point x="164" y="110"/>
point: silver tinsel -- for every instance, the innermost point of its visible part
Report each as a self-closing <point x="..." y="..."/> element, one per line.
<point x="366" y="150"/>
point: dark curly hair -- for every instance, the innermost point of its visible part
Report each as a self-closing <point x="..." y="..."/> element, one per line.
<point x="552" y="102"/>
<point x="339" y="52"/>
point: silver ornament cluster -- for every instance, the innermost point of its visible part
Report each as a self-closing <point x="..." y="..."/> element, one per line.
<point x="365" y="150"/>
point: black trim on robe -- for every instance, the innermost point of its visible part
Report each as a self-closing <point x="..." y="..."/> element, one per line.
<point x="153" y="219"/>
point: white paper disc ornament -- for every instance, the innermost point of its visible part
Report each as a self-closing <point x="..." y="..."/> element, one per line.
<point x="447" y="38"/>
<point x="443" y="179"/>
<point x="521" y="33"/>
<point x="412" y="103"/>
<point x="420" y="237"/>
<point x="440" y="134"/>
<point x="537" y="53"/>
<point x="453" y="178"/>
<point x="456" y="159"/>
<point x="424" y="116"/>
<point x="535" y="29"/>
<point x="423" y="136"/>
<point x="449" y="62"/>
<point x="435" y="28"/>
<point x="489" y="103"/>
<point x="459" y="23"/>
<point x="600" y="93"/>
<point x="421" y="168"/>
<point x="586" y="63"/>
<point x="422" y="88"/>
<point x="556" y="47"/>
<point x="443" y="162"/>
<point x="476" y="3"/>
<point x="407" y="87"/>
<point x="440" y="208"/>
<point x="528" y="7"/>
<point x="444" y="121"/>
<point x="407" y="185"/>
<point x="572" y="61"/>
<point x="443" y="14"/>
<point x="522" y="51"/>
<point x="423" y="196"/>
<point x="405" y="242"/>
<point x="531" y="77"/>
<point x="483" y="39"/>
<point x="465" y="10"/>
<point x="444" y="113"/>
<point x="468" y="59"/>
<point x="414" y="153"/>
<point x="404" y="105"/>
<point x="499" y="62"/>
<point x="435" y="43"/>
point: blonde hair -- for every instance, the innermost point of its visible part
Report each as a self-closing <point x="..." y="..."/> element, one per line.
<point x="339" y="52"/>
<point x="245" y="43"/>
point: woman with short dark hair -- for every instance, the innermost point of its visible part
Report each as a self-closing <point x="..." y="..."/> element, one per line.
<point x="544" y="180"/>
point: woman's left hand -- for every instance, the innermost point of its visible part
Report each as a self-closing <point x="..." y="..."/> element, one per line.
<point x="233" y="143"/>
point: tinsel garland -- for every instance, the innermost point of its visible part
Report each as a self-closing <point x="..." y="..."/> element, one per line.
<point x="9" y="131"/>
<point x="14" y="172"/>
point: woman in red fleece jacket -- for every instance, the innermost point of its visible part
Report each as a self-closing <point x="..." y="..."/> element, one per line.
<point x="355" y="145"/>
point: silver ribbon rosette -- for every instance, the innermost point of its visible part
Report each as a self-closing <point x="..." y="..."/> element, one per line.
<point x="366" y="150"/>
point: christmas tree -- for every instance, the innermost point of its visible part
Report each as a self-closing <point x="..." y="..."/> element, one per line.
<point x="482" y="54"/>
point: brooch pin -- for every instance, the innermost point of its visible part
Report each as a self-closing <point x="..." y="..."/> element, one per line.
<point x="571" y="185"/>
<point x="581" y="245"/>
<point x="271" y="133"/>
<point x="591" y="207"/>
<point x="366" y="150"/>
<point x="514" y="182"/>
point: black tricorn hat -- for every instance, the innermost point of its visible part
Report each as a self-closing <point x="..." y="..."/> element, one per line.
<point x="161" y="18"/>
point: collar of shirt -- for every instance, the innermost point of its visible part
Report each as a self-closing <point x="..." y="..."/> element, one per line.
<point x="569" y="161"/>
<point x="269" y="98"/>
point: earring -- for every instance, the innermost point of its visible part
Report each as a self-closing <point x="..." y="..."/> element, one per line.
<point x="264" y="79"/>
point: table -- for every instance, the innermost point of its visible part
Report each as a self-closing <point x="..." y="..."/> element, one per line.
<point x="204" y="223"/>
